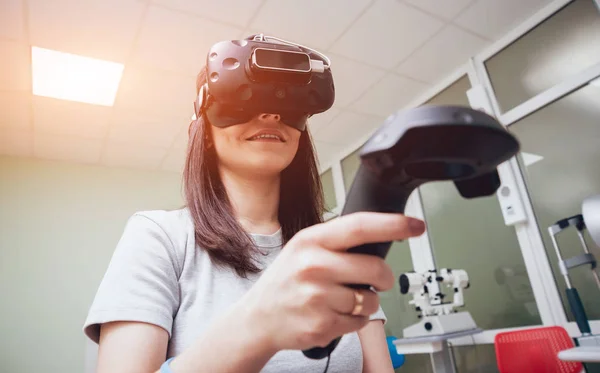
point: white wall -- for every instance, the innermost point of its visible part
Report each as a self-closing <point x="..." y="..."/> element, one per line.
<point x="59" y="224"/>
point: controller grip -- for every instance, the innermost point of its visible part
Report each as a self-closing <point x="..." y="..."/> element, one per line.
<point x="368" y="193"/>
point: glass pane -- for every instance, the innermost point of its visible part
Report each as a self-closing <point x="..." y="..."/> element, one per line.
<point x="328" y="190"/>
<point x="399" y="313"/>
<point x="563" y="45"/>
<point x="455" y="94"/>
<point x="475" y="359"/>
<point x="416" y="363"/>
<point x="560" y="163"/>
<point x="471" y="235"/>
<point x="350" y="166"/>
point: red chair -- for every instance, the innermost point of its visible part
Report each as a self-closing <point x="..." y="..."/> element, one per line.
<point x="534" y="351"/>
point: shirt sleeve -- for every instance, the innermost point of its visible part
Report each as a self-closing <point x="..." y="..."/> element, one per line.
<point x="379" y="315"/>
<point x="141" y="281"/>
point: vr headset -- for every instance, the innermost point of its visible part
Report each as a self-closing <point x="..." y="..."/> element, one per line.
<point x="264" y="74"/>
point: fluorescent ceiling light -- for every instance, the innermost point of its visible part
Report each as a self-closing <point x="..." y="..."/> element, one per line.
<point x="75" y="78"/>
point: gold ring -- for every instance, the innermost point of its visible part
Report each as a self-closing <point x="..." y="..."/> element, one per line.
<point x="358" y="303"/>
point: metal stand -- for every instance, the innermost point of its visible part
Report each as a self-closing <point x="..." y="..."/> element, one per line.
<point x="436" y="346"/>
<point x="564" y="265"/>
<point x="442" y="361"/>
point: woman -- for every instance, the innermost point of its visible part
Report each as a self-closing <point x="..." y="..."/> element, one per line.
<point x="247" y="275"/>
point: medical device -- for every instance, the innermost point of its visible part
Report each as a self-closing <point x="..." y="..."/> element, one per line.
<point x="589" y="219"/>
<point x="437" y="315"/>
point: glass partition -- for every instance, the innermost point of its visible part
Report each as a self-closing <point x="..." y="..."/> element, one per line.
<point x="475" y="358"/>
<point x="471" y="235"/>
<point x="350" y="165"/>
<point x="454" y="94"/>
<point x="328" y="190"/>
<point x="561" y="166"/>
<point x="565" y="44"/>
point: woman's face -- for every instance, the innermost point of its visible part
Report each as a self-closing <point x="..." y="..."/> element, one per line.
<point x="262" y="146"/>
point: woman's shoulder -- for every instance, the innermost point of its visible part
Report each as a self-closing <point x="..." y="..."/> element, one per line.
<point x="141" y="282"/>
<point x="172" y="222"/>
<point x="168" y="230"/>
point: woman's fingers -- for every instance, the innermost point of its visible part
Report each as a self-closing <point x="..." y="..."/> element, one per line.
<point x="317" y="264"/>
<point x="345" y="300"/>
<point x="360" y="228"/>
<point x="306" y="285"/>
<point x="320" y="332"/>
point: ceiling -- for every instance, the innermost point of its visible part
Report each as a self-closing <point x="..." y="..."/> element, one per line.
<point x="384" y="54"/>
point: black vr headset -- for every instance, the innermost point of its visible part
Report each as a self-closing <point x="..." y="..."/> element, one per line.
<point x="264" y="74"/>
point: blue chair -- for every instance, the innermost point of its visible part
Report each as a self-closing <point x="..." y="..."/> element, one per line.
<point x="397" y="359"/>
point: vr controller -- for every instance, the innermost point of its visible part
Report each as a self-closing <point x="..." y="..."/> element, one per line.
<point x="426" y="144"/>
<point x="263" y="74"/>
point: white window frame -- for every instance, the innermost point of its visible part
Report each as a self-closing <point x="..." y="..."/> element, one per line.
<point x="538" y="267"/>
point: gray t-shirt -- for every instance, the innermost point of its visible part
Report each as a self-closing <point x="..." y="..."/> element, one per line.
<point x="159" y="275"/>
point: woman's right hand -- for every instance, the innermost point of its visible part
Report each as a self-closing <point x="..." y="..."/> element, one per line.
<point x="301" y="300"/>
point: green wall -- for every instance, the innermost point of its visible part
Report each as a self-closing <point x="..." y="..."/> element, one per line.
<point x="59" y="226"/>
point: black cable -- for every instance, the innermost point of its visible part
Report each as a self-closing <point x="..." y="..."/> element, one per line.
<point x="327" y="366"/>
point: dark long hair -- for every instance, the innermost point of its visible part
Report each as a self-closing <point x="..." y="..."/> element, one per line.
<point x="216" y="229"/>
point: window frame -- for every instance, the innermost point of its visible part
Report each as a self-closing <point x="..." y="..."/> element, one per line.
<point x="482" y="96"/>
